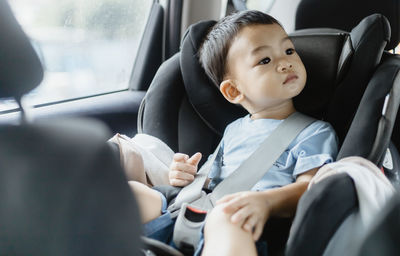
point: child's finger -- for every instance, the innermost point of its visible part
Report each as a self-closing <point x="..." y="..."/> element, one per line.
<point x="180" y="157"/>
<point x="178" y="182"/>
<point x="181" y="175"/>
<point x="195" y="159"/>
<point x="183" y="167"/>
<point x="250" y="222"/>
<point x="234" y="205"/>
<point x="240" y="215"/>
<point x="258" y="229"/>
<point x="225" y="199"/>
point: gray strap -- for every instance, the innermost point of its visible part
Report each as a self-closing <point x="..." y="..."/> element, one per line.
<point x="256" y="166"/>
<point x="251" y="170"/>
<point x="193" y="191"/>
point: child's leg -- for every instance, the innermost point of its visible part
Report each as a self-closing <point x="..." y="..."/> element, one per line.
<point x="149" y="201"/>
<point x="221" y="237"/>
<point x="132" y="163"/>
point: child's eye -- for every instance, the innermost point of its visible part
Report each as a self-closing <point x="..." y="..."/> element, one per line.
<point x="264" y="61"/>
<point x="290" y="51"/>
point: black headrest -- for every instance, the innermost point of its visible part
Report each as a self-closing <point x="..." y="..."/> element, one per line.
<point x="206" y="99"/>
<point x="20" y="68"/>
<point x="321" y="65"/>
<point x="366" y="42"/>
<point x="346" y="66"/>
<point x="344" y="14"/>
<point x="369" y="121"/>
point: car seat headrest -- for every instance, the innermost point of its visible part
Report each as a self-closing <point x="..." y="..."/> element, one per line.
<point x="205" y="97"/>
<point x="321" y="65"/>
<point x="367" y="40"/>
<point x="342" y="14"/>
<point x="339" y="65"/>
<point x="20" y="67"/>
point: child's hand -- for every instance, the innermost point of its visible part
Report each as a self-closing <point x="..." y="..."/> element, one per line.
<point x="183" y="169"/>
<point x="249" y="208"/>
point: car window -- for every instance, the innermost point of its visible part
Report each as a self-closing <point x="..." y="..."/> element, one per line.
<point x="397" y="49"/>
<point x="282" y="10"/>
<point x="87" y="47"/>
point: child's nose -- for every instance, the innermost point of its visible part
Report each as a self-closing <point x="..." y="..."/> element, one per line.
<point x="284" y="66"/>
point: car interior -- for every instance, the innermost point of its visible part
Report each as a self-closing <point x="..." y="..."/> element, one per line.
<point x="65" y="193"/>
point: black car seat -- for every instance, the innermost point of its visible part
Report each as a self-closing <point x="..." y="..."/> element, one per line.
<point x="208" y="103"/>
<point x="182" y="99"/>
<point x="183" y="108"/>
<point x="344" y="15"/>
<point x="323" y="209"/>
<point x="62" y="191"/>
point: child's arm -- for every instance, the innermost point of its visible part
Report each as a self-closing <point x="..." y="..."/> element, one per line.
<point x="183" y="169"/>
<point x="252" y="209"/>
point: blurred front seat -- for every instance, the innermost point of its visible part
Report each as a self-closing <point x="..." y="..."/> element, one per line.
<point x="62" y="191"/>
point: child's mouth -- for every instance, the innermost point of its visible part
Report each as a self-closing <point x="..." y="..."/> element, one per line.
<point x="290" y="78"/>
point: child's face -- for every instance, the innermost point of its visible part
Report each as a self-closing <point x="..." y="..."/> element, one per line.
<point x="264" y="67"/>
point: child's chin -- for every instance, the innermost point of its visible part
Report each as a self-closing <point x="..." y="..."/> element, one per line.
<point x="295" y="89"/>
<point x="294" y="86"/>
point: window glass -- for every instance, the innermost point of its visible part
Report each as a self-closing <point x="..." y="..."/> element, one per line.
<point x="397" y="49"/>
<point x="264" y="6"/>
<point x="283" y="10"/>
<point x="87" y="47"/>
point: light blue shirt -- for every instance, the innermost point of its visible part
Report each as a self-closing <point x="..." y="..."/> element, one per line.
<point x="316" y="145"/>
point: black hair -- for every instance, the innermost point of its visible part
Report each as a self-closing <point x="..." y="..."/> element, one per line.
<point x="214" y="49"/>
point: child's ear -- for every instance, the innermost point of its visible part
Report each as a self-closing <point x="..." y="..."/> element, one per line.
<point x="230" y="91"/>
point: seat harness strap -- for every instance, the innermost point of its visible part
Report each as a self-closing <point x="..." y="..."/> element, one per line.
<point x="249" y="172"/>
<point x="192" y="203"/>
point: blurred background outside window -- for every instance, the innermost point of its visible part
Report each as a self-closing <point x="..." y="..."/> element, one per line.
<point x="87" y="47"/>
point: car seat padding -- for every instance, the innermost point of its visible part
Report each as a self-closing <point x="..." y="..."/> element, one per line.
<point x="343" y="14"/>
<point x="206" y="99"/>
<point x="317" y="218"/>
<point x="368" y="39"/>
<point x="386" y="81"/>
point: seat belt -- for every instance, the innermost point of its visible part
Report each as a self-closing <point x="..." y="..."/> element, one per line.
<point x="186" y="231"/>
<point x="251" y="170"/>
<point x="194" y="190"/>
<point x="256" y="166"/>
